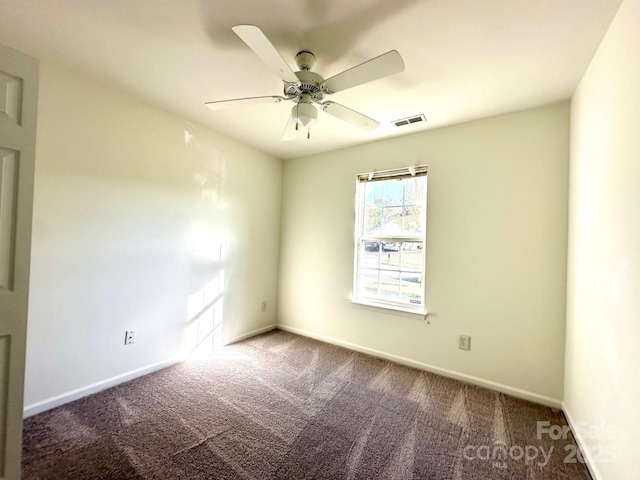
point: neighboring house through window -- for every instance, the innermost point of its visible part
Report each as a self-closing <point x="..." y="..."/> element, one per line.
<point x="391" y="214"/>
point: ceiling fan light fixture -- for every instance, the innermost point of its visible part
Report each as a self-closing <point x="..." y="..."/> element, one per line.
<point x="304" y="114"/>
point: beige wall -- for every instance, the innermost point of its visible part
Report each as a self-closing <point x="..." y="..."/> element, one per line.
<point x="496" y="249"/>
<point x="128" y="211"/>
<point x="602" y="384"/>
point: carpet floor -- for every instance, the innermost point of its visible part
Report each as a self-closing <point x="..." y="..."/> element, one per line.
<point x="281" y="406"/>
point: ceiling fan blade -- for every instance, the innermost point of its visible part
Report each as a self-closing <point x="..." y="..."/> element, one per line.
<point x="378" y="67"/>
<point x="260" y="44"/>
<point x="241" y="102"/>
<point x="350" y="116"/>
<point x="290" y="132"/>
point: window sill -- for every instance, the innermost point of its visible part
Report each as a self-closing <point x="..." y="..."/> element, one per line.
<point x="392" y="309"/>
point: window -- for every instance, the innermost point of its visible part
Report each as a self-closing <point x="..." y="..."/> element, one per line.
<point x="391" y="214"/>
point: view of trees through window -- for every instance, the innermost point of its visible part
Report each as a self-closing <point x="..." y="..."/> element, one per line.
<point x="391" y="240"/>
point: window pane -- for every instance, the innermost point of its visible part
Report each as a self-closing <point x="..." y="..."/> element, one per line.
<point x="411" y="287"/>
<point x="373" y="194"/>
<point x="390" y="285"/>
<point x="391" y="222"/>
<point x="390" y="257"/>
<point x="414" y="191"/>
<point x="370" y="255"/>
<point x="369" y="282"/>
<point x="411" y="256"/>
<point x="393" y="192"/>
<point x="372" y="220"/>
<point x="413" y="221"/>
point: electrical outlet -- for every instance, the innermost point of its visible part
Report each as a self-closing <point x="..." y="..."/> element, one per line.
<point x="129" y="337"/>
<point x="263" y="306"/>
<point x="464" y="342"/>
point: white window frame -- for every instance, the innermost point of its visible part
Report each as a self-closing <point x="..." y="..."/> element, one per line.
<point x="360" y="237"/>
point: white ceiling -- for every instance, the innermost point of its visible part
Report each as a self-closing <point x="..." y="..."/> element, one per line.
<point x="464" y="59"/>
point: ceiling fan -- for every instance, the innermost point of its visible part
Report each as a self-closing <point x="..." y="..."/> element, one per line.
<point x="305" y="88"/>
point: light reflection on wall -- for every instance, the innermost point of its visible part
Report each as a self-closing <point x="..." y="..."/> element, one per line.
<point x="206" y="243"/>
<point x="208" y="238"/>
<point x="209" y="169"/>
<point x="205" y="311"/>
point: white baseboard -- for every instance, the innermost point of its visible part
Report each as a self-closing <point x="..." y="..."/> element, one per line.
<point x="78" y="393"/>
<point x="250" y="334"/>
<point x="584" y="448"/>
<point x="516" y="392"/>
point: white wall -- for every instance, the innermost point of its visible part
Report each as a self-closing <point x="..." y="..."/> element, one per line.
<point x="496" y="249"/>
<point x="128" y="211"/>
<point x="602" y="385"/>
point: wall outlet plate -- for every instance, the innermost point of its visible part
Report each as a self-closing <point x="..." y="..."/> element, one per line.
<point x="263" y="306"/>
<point x="129" y="337"/>
<point x="464" y="342"/>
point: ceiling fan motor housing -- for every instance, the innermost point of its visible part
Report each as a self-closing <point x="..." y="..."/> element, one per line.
<point x="310" y="83"/>
<point x="305" y="60"/>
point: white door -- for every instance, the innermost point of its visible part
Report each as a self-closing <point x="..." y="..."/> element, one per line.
<point x="18" y="107"/>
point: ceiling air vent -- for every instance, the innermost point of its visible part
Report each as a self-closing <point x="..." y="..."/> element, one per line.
<point x="409" y="120"/>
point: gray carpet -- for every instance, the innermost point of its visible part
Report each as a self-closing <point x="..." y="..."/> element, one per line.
<point x="280" y="406"/>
